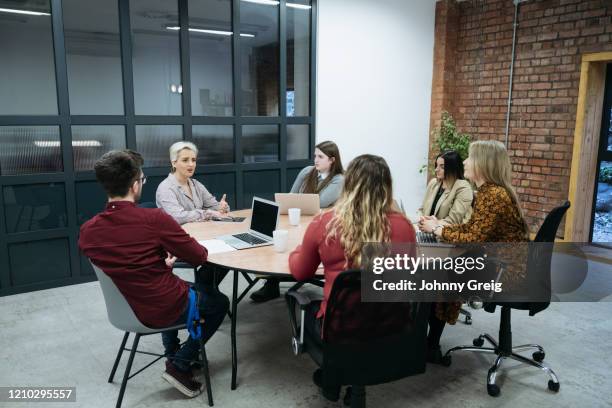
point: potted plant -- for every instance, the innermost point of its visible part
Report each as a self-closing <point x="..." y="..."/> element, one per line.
<point x="447" y="137"/>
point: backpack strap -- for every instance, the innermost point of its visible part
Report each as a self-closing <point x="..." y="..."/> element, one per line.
<point x="193" y="315"/>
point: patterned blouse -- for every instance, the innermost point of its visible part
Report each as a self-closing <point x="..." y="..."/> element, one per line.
<point x="495" y="218"/>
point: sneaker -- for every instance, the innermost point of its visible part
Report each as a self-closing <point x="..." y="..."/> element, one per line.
<point x="269" y="291"/>
<point x="332" y="393"/>
<point x="183" y="382"/>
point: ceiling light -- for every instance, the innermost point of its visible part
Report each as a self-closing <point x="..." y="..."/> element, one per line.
<point x="215" y="32"/>
<point x="266" y="2"/>
<point x="299" y="6"/>
<point x="29" y="13"/>
<point x="75" y="143"/>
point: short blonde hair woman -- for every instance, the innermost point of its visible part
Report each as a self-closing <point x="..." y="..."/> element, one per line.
<point x="183" y="197"/>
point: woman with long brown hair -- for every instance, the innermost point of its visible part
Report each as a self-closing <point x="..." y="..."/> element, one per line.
<point x="365" y="212"/>
<point x="324" y="178"/>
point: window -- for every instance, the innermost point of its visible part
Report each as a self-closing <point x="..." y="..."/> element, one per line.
<point x="93" y="57"/>
<point x="28" y="70"/>
<point x="259" y="53"/>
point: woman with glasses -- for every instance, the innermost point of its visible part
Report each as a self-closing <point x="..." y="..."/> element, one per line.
<point x="181" y="196"/>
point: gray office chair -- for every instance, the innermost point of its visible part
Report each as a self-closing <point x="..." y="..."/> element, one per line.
<point x="121" y="315"/>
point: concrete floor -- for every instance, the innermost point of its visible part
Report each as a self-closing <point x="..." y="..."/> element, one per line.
<point x="61" y="337"/>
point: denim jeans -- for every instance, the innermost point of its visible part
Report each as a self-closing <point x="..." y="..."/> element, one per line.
<point x="213" y="307"/>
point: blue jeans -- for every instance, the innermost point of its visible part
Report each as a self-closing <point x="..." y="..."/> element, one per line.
<point x="213" y="307"/>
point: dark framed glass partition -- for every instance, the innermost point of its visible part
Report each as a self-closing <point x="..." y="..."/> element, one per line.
<point x="82" y="77"/>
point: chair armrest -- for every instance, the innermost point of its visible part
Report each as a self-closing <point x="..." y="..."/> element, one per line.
<point x="301" y="299"/>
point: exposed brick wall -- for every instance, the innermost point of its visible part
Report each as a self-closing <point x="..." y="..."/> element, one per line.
<point x="552" y="36"/>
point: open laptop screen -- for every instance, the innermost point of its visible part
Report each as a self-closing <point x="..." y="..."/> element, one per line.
<point x="264" y="217"/>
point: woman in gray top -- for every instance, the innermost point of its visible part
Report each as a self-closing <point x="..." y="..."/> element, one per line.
<point x="325" y="178"/>
<point x="184" y="198"/>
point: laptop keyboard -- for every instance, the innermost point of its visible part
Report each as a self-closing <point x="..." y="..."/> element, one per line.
<point x="426" y="237"/>
<point x="251" y="239"/>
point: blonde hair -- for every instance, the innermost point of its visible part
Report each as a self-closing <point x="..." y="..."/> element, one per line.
<point x="361" y="212"/>
<point x="176" y="148"/>
<point x="491" y="163"/>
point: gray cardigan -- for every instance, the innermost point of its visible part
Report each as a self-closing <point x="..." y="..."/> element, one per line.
<point x="327" y="196"/>
<point x="172" y="198"/>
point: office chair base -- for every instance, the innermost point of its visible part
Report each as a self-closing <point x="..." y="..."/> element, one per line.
<point x="492" y="388"/>
<point x="467" y="314"/>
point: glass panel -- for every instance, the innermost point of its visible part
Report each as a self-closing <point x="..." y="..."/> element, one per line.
<point x="261" y="184"/>
<point x="154" y="141"/>
<point x="219" y="184"/>
<point x="260" y="143"/>
<point x="91" y="142"/>
<point x="93" y="57"/>
<point x="155" y="57"/>
<point x="34" y="207"/>
<point x="259" y="58"/>
<point x="298" y="142"/>
<point x="610" y="129"/>
<point x="291" y="176"/>
<point x="602" y="223"/>
<point x="27" y="82"/>
<point x="298" y="58"/>
<point x="215" y="143"/>
<point x="149" y="190"/>
<point x="30" y="149"/>
<point x="210" y="43"/>
<point x="90" y="199"/>
<point x="51" y="261"/>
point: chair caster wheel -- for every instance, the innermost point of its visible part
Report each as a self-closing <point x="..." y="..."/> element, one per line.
<point x="446" y="361"/>
<point x="493" y="390"/>
<point x="478" y="342"/>
<point x="296" y="346"/>
<point x="553" y="386"/>
<point x="539" y="356"/>
<point x="468" y="320"/>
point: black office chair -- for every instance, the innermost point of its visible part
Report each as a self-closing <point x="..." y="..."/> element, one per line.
<point x="363" y="343"/>
<point x="504" y="349"/>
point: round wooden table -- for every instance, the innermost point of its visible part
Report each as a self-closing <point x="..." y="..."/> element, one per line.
<point x="259" y="260"/>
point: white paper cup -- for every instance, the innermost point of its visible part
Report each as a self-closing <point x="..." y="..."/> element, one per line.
<point x="294" y="216"/>
<point x="281" y="240"/>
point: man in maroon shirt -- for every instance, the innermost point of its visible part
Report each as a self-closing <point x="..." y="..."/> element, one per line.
<point x="136" y="247"/>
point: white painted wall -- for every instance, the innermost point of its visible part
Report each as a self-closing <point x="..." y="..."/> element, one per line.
<point x="374" y="72"/>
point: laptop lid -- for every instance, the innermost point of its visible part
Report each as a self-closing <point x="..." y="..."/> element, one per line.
<point x="308" y="203"/>
<point x="264" y="217"/>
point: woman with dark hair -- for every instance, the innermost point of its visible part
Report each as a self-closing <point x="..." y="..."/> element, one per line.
<point x="449" y="200"/>
<point x="325" y="178"/>
<point x="448" y="196"/>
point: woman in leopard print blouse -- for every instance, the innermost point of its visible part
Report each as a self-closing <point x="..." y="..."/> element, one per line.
<point x="496" y="217"/>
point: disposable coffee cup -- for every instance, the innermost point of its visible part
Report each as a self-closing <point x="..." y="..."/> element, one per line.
<point x="294" y="216"/>
<point x="281" y="238"/>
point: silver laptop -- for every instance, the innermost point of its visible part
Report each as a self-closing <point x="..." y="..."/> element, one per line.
<point x="309" y="204"/>
<point x="430" y="239"/>
<point x="264" y="219"/>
